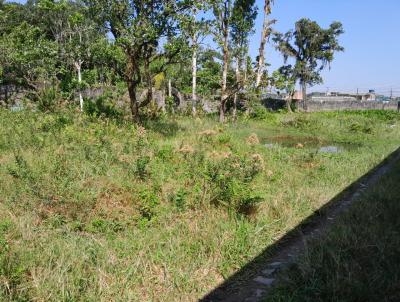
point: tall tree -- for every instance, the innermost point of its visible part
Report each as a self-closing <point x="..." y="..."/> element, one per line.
<point x="222" y="10"/>
<point x="312" y="48"/>
<point x="265" y="34"/>
<point x="242" y="26"/>
<point x="80" y="37"/>
<point x="195" y="29"/>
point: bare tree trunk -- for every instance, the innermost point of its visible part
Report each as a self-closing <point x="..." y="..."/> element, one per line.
<point x="78" y="66"/>
<point x="289" y="98"/>
<point x="224" y="94"/>
<point x="238" y="83"/>
<point x="149" y="83"/>
<point x="264" y="35"/>
<point x="132" y="83"/>
<point x="304" y="91"/>
<point x="194" y="81"/>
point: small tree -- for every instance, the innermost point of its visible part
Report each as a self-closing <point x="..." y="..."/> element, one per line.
<point x="312" y="48"/>
<point x="138" y="26"/>
<point x="222" y="10"/>
<point x="243" y="18"/>
<point x="81" y="35"/>
<point x="283" y="80"/>
<point x="195" y="30"/>
<point x="27" y="58"/>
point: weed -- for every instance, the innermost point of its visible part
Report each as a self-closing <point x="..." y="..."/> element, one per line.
<point x="142" y="170"/>
<point x="148" y="204"/>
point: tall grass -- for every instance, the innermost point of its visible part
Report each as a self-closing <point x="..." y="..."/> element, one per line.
<point x="358" y="260"/>
<point x="99" y="209"/>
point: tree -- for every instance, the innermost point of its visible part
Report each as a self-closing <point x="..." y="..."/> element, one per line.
<point x="312" y="48"/>
<point x="65" y="24"/>
<point x="222" y="10"/>
<point x="80" y="37"/>
<point x="283" y="80"/>
<point x="265" y="34"/>
<point x="27" y="58"/>
<point x="195" y="30"/>
<point x="242" y="26"/>
<point x="138" y="26"/>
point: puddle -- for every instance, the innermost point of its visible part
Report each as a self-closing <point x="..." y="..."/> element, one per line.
<point x="308" y="142"/>
<point x="330" y="149"/>
<point x="293" y="141"/>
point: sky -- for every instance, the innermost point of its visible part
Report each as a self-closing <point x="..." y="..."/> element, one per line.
<point x="371" y="59"/>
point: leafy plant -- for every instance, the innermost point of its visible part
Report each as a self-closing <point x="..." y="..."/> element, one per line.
<point x="148" y="204"/>
<point x="142" y="166"/>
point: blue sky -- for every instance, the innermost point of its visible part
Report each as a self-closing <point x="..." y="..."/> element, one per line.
<point x="372" y="41"/>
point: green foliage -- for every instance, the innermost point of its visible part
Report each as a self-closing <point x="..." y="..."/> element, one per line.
<point x="311" y="46"/>
<point x="48" y="99"/>
<point x="28" y="58"/>
<point x="142" y="167"/>
<point x="260" y="113"/>
<point x="357" y="127"/>
<point x="20" y="169"/>
<point x="79" y="213"/>
<point x="102" y="106"/>
<point x="230" y="180"/>
<point x="180" y="199"/>
<point x="148" y="204"/>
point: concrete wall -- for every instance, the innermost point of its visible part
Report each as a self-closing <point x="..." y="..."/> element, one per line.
<point x="348" y="105"/>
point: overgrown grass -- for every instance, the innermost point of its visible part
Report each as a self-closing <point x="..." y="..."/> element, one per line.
<point x="358" y="260"/>
<point x="97" y="209"/>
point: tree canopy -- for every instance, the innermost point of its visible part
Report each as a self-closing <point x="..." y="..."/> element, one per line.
<point x="137" y="49"/>
<point x="312" y="49"/>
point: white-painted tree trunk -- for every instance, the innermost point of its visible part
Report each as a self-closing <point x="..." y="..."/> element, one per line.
<point x="235" y="97"/>
<point x="169" y="88"/>
<point x="78" y="66"/>
<point x="194" y="80"/>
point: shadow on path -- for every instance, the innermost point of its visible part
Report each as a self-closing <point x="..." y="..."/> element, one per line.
<point x="253" y="281"/>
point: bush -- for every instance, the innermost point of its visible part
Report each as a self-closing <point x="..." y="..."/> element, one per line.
<point x="148" y="204"/>
<point x="47" y="99"/>
<point x="102" y="106"/>
<point x="231" y="181"/>
<point x="361" y="128"/>
<point x="141" y="167"/>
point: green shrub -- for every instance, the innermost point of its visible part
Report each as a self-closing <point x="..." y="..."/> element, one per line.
<point x="47" y="99"/>
<point x="231" y="182"/>
<point x="20" y="169"/>
<point x="148" y="204"/>
<point x="142" y="167"/>
<point x="102" y="106"/>
<point x="261" y="113"/>
<point x="361" y="128"/>
<point x="179" y="199"/>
